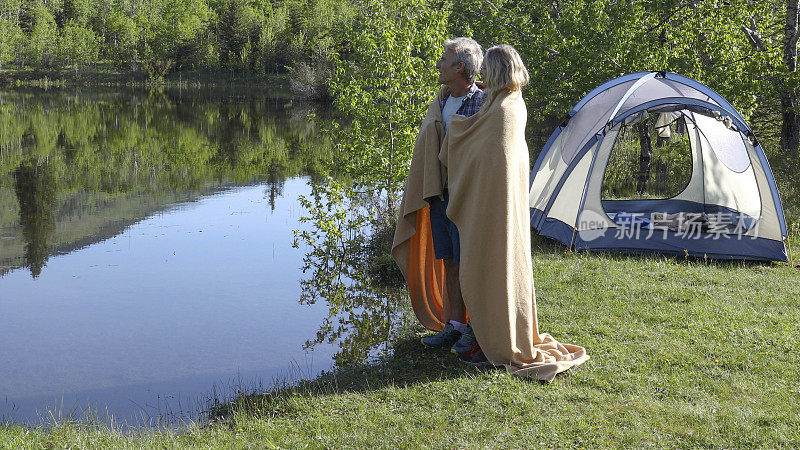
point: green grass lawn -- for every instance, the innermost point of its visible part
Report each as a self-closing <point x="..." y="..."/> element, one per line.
<point x="684" y="354"/>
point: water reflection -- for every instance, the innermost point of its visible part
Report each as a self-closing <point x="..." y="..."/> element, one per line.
<point x="198" y="294"/>
<point x="346" y="244"/>
<point x="156" y="230"/>
<point x="35" y="187"/>
<point x="60" y="150"/>
<point x="362" y="325"/>
<point x="274" y="184"/>
<point x="145" y="250"/>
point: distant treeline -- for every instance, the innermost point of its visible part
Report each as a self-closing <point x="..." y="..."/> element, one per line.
<point x="744" y="49"/>
<point x="160" y="36"/>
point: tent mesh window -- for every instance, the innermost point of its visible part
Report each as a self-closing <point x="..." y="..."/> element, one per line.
<point x="651" y="159"/>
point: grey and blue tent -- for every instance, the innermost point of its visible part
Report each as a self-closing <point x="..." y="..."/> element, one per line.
<point x="729" y="207"/>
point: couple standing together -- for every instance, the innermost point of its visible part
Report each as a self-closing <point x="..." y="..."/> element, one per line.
<point x="463" y="236"/>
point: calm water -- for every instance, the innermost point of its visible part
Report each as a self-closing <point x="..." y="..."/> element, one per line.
<point x="146" y="258"/>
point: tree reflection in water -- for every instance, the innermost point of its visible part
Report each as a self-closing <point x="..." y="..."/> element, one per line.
<point x="84" y="165"/>
<point x="35" y="187"/>
<point x="274" y="186"/>
<point x="346" y="244"/>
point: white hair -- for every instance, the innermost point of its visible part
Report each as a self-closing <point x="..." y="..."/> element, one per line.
<point x="469" y="52"/>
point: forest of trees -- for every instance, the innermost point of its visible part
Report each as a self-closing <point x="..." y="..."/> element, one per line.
<point x="159" y="36"/>
<point x="745" y="49"/>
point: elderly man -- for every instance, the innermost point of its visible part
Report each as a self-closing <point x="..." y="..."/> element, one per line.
<point x="426" y="242"/>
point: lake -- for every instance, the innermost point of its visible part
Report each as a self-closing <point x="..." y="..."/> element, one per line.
<point x="146" y="254"/>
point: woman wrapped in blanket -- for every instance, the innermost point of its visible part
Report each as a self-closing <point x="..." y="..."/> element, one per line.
<point x="487" y="163"/>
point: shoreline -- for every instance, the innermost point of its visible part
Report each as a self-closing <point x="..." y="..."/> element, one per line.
<point x="691" y="358"/>
<point x="105" y="75"/>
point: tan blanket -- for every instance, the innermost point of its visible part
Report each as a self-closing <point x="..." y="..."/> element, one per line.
<point x="412" y="247"/>
<point x="487" y="163"/>
<point x="486" y="159"/>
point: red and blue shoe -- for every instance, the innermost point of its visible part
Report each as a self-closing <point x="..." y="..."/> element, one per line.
<point x="474" y="356"/>
<point x="465" y="343"/>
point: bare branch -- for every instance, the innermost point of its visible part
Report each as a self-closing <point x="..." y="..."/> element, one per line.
<point x="754" y="37"/>
<point x="611" y="59"/>
<point x="526" y="37"/>
<point x="667" y="18"/>
<point x="743" y="58"/>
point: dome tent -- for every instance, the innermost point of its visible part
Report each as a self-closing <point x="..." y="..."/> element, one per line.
<point x="728" y="209"/>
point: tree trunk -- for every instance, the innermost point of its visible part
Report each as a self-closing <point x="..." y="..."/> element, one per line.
<point x="389" y="189"/>
<point x="645" y="156"/>
<point x="790" y="129"/>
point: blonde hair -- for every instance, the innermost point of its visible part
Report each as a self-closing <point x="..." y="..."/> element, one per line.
<point x="504" y="70"/>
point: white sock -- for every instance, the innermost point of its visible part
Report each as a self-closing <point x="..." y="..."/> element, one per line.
<point x="461" y="327"/>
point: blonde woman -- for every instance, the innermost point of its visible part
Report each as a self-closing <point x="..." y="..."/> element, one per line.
<point x="487" y="163"/>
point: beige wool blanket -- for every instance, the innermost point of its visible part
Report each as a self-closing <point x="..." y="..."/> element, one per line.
<point x="412" y="247"/>
<point x="485" y="159"/>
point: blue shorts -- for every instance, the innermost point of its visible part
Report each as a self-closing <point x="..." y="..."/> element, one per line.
<point x="444" y="231"/>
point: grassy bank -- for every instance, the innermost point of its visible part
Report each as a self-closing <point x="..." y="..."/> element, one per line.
<point x="684" y="354"/>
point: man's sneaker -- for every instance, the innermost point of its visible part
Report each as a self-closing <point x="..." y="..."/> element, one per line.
<point x="443" y="339"/>
<point x="466" y="342"/>
<point x="474" y="356"/>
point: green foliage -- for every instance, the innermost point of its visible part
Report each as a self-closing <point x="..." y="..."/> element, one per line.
<point x="572" y="47"/>
<point x="237" y="22"/>
<point x="10" y="41"/>
<point x="335" y="240"/>
<point x="79" y="11"/>
<point x="269" y="56"/>
<point x="569" y="47"/>
<point x="338" y="234"/>
<point x="122" y="37"/>
<point x="78" y="45"/>
<point x="63" y="154"/>
<point x="152" y="142"/>
<point x="11" y="10"/>
<point x="158" y="36"/>
<point x="384" y="82"/>
<point x="182" y="32"/>
<point x="36" y="187"/>
<point x="43" y="39"/>
<point x="156" y="65"/>
<point x="671" y="166"/>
